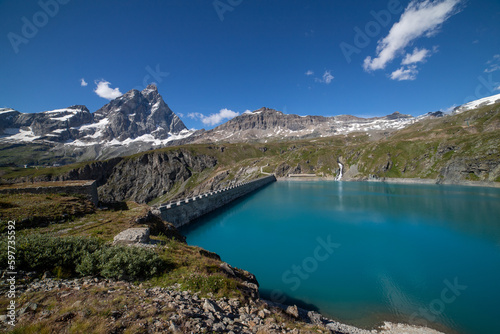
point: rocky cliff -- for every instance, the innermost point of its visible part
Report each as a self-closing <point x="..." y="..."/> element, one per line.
<point x="152" y="175"/>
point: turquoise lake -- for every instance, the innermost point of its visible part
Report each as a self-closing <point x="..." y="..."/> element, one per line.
<point x="363" y="252"/>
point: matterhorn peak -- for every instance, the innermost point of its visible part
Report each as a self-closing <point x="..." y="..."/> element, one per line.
<point x="151" y="88"/>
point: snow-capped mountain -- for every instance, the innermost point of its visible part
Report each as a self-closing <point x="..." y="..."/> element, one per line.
<point x="141" y="120"/>
<point x="54" y="125"/>
<point x="264" y="124"/>
<point x="478" y="103"/>
<point x="133" y="117"/>
<point x="268" y="124"/>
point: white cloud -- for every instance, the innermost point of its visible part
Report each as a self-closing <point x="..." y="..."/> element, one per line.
<point x="497" y="88"/>
<point x="405" y="73"/>
<point x="195" y="115"/>
<point x="309" y="73"/>
<point x="326" y="79"/>
<point x="214" y="119"/>
<point x="418" y="56"/>
<point x="83" y="83"/>
<point x="493" y="64"/>
<point x="420" y="18"/>
<point x="104" y="91"/>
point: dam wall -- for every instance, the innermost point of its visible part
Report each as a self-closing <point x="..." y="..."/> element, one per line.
<point x="182" y="212"/>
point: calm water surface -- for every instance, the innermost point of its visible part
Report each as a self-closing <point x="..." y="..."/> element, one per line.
<point x="365" y="252"/>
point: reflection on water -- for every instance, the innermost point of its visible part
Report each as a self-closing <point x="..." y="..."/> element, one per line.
<point x="403" y="248"/>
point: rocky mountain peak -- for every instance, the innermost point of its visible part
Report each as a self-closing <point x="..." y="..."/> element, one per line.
<point x="397" y="115"/>
<point x="80" y="108"/>
<point x="137" y="114"/>
<point x="266" y="110"/>
<point x="150" y="90"/>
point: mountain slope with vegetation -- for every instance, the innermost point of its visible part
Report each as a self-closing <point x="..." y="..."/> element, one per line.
<point x="452" y="149"/>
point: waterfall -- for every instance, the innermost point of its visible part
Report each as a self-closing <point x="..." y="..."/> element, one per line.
<point x="340" y="173"/>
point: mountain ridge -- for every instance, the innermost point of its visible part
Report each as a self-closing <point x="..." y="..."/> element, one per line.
<point x="460" y="149"/>
<point x="139" y="121"/>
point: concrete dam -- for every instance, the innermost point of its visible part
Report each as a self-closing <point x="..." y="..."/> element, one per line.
<point x="184" y="211"/>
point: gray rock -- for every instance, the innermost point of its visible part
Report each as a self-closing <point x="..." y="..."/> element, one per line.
<point x="133" y="236"/>
<point x="210" y="306"/>
<point x="314" y="317"/>
<point x="293" y="311"/>
<point x="219" y="327"/>
<point x="29" y="306"/>
<point x="227" y="268"/>
<point x="173" y="328"/>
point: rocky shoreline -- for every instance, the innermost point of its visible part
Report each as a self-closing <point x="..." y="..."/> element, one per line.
<point x="170" y="310"/>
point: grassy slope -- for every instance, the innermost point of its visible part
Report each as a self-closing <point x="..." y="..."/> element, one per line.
<point x="32" y="154"/>
<point x="425" y="148"/>
<point x="104" y="224"/>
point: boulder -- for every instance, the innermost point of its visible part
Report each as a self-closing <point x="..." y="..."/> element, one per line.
<point x="293" y="311"/>
<point x="133" y="236"/>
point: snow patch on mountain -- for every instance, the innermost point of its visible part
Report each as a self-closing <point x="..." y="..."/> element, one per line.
<point x="478" y="103"/>
<point x="22" y="135"/>
<point x="6" y="110"/>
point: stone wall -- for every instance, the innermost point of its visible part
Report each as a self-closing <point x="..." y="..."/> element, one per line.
<point x="182" y="212"/>
<point x="85" y="188"/>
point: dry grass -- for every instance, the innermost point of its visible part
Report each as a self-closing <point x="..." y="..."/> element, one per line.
<point x="33" y="210"/>
<point x="88" y="310"/>
<point x="45" y="184"/>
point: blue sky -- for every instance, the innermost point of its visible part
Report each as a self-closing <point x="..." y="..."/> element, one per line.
<point x="212" y="59"/>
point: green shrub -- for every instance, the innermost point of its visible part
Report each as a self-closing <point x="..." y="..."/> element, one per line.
<point x="122" y="263"/>
<point x="37" y="252"/>
<point x="70" y="256"/>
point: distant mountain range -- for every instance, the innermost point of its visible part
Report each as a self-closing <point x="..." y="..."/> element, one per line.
<point x="141" y="120"/>
<point x="268" y="124"/>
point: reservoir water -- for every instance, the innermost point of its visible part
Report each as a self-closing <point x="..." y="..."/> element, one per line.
<point x="363" y="253"/>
